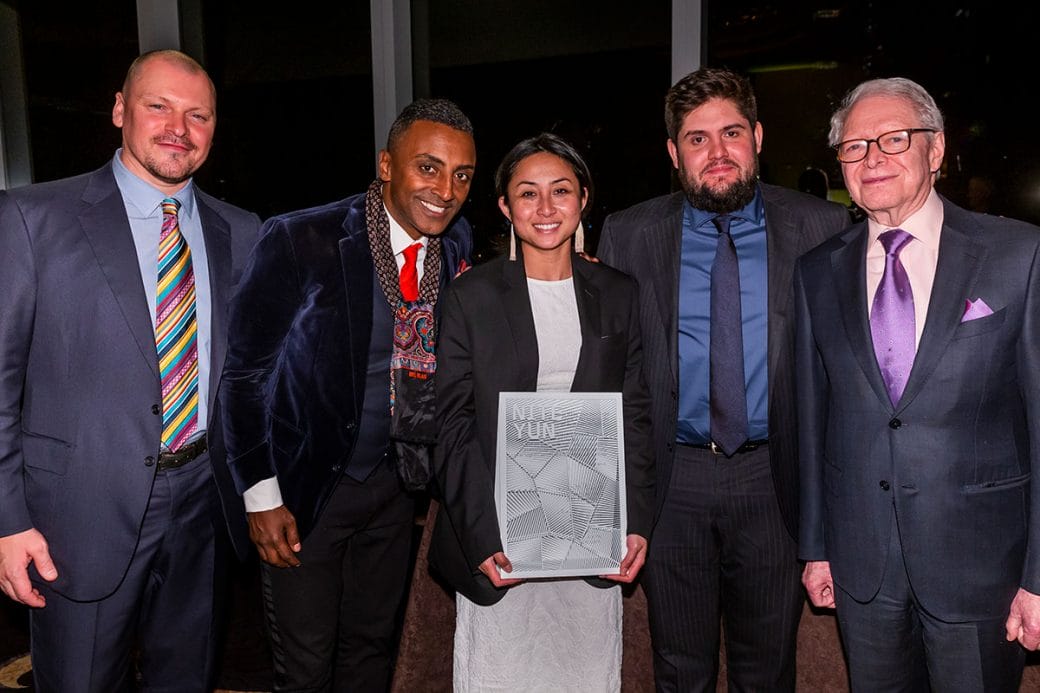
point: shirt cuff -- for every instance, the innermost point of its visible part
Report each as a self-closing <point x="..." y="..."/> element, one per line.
<point x="263" y="495"/>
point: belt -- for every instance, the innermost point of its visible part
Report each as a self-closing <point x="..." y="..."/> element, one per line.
<point x="716" y="450"/>
<point x="184" y="454"/>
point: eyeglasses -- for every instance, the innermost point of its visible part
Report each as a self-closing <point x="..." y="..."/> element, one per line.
<point x="895" y="142"/>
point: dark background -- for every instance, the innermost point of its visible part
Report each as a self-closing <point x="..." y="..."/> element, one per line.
<point x="295" y="124"/>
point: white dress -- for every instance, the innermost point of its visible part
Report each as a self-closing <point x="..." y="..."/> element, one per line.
<point x="544" y="635"/>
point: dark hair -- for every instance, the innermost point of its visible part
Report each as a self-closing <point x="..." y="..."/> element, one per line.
<point x="699" y="87"/>
<point x="435" y="110"/>
<point x="550" y="144"/>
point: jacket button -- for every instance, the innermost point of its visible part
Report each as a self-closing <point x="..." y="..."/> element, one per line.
<point x="156" y="410"/>
<point x="351" y="426"/>
<point x="337" y="467"/>
<point x="884" y="485"/>
<point x="149" y="461"/>
<point x="895" y="423"/>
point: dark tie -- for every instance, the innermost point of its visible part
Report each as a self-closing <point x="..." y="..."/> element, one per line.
<point x="175" y="332"/>
<point x="892" y="317"/>
<point x="409" y="275"/>
<point x="727" y="393"/>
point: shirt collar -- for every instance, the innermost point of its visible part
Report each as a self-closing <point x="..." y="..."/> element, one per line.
<point x="144" y="198"/>
<point x="752" y="213"/>
<point x="924" y="225"/>
<point x="399" y="238"/>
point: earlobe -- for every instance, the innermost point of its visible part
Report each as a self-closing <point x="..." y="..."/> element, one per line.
<point x="758" y="138"/>
<point x="673" y="152"/>
<point x="384" y="165"/>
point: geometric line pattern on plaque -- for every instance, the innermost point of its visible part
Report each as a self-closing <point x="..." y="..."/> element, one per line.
<point x="556" y="507"/>
<point x="527" y="524"/>
<point x="527" y="553"/>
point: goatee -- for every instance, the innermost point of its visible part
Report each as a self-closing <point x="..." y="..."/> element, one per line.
<point x="723" y="201"/>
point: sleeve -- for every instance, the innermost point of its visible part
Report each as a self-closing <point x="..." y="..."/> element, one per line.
<point x="261" y="316"/>
<point x="639" y="459"/>
<point x="17" y="312"/>
<point x="811" y="397"/>
<point x="464" y="478"/>
<point x="1029" y="377"/>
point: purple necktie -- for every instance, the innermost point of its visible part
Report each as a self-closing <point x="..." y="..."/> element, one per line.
<point x="892" y="317"/>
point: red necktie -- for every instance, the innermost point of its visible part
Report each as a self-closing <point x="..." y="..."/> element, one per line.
<point x="409" y="276"/>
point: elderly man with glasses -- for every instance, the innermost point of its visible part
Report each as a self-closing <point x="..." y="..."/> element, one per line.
<point x="918" y="352"/>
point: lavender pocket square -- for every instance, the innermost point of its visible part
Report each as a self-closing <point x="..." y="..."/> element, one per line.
<point x="973" y="310"/>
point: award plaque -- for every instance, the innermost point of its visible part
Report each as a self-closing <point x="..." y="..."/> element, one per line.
<point x="560" y="483"/>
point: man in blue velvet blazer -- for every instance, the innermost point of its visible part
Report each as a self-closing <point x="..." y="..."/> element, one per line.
<point x="325" y="344"/>
<point x="112" y="538"/>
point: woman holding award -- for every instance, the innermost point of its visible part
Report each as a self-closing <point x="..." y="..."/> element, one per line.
<point x="544" y="319"/>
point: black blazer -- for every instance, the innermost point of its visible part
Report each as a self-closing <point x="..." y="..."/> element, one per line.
<point x="955" y="457"/>
<point x="646" y="242"/>
<point x="488" y="345"/>
<point x="301" y="323"/>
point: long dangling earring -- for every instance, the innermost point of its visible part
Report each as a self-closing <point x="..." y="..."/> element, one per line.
<point x="512" y="243"/>
<point x="579" y="238"/>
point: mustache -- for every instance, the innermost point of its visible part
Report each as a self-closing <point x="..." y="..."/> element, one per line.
<point x="716" y="162"/>
<point x="183" y="141"/>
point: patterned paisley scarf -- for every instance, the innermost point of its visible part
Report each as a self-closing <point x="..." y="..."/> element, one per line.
<point x="413" y="361"/>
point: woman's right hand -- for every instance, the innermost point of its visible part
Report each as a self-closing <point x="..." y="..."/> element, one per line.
<point x="490" y="568"/>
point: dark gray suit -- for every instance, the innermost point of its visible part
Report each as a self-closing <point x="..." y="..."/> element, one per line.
<point x="645" y="241"/>
<point x="80" y="398"/>
<point x="954" y="459"/>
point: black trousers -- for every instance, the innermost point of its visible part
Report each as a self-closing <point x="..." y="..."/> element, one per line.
<point x="333" y="619"/>
<point x="892" y="644"/>
<point x="721" y="552"/>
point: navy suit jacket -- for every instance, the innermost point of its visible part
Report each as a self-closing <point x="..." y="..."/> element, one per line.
<point x="488" y="345"/>
<point x="646" y="242"/>
<point x="79" y="376"/>
<point x="298" y="351"/>
<point x="955" y="457"/>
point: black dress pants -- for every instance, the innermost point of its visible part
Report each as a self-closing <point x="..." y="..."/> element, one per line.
<point x="333" y="619"/>
<point x="721" y="552"/>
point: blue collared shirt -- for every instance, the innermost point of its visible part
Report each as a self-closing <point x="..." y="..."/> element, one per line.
<point x="144" y="211"/>
<point x="699" y="240"/>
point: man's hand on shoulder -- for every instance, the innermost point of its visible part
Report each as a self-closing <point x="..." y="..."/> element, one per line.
<point x="275" y="535"/>
<point x="1023" y="622"/>
<point x="17" y="551"/>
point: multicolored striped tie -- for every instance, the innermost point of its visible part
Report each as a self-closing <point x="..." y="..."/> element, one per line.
<point x="175" y="332"/>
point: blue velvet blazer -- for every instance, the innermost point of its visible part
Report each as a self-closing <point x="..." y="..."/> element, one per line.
<point x="300" y="327"/>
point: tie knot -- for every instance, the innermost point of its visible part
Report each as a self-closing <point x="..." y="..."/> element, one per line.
<point x="170" y="205"/>
<point x="722" y="223"/>
<point x="411" y="253"/>
<point x="894" y="240"/>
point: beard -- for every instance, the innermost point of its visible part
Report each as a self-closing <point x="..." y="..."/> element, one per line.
<point x="729" y="199"/>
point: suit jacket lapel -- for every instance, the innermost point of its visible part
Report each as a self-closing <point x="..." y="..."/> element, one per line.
<point x="960" y="259"/>
<point x="782" y="251"/>
<point x="850" y="261"/>
<point x="217" y="237"/>
<point x="517" y="304"/>
<point x="664" y="253"/>
<point x="358" y="279"/>
<point x="586" y="374"/>
<point x="107" y="230"/>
